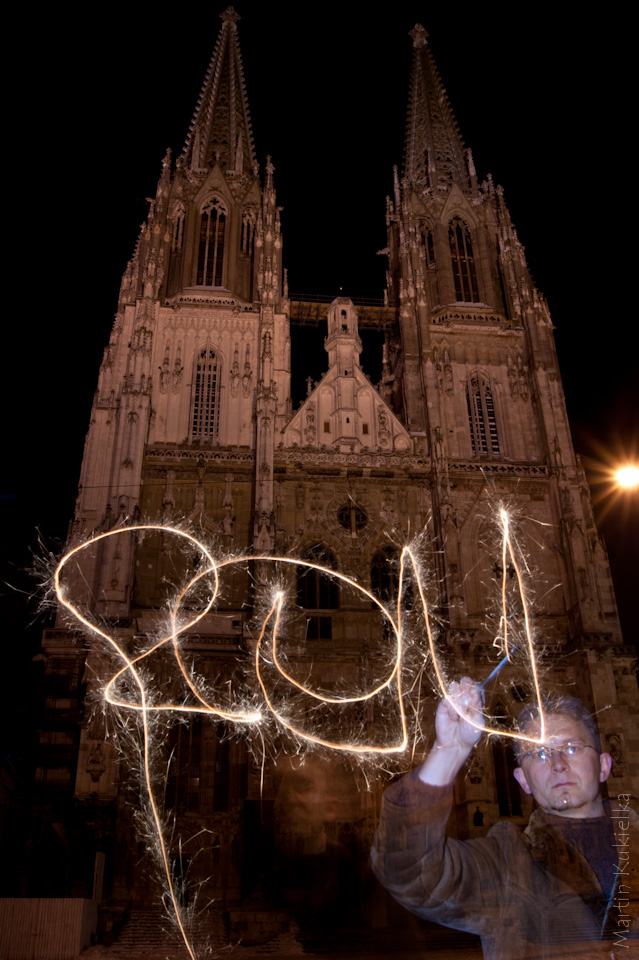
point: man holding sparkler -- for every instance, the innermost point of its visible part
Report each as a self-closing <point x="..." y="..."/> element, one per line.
<point x="564" y="888"/>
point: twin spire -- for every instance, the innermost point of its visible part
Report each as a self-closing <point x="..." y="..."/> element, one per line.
<point x="434" y="155"/>
<point x="221" y="127"/>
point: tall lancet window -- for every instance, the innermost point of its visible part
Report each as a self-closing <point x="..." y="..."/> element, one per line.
<point x="210" y="257"/>
<point x="318" y="593"/>
<point x="178" y="228"/>
<point x="481" y="417"/>
<point x="385" y="575"/>
<point x="461" y="252"/>
<point x="247" y="238"/>
<point x="427" y="244"/>
<point x="206" y="397"/>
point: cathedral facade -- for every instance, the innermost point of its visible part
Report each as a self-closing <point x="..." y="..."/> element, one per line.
<point x="194" y="427"/>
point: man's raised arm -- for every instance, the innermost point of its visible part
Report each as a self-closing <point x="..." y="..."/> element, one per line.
<point x="455" y="737"/>
<point x="436" y="878"/>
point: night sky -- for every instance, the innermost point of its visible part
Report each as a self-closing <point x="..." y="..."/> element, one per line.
<point x="544" y="105"/>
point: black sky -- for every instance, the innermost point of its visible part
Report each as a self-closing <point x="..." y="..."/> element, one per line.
<point x="544" y="105"/>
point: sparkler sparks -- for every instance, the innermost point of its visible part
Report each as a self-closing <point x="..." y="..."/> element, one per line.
<point x="130" y="689"/>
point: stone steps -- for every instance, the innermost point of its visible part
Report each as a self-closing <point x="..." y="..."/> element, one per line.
<point x="148" y="935"/>
<point x="150" y="932"/>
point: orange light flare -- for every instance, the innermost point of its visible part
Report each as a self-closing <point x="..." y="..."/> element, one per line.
<point x="628" y="477"/>
<point x="614" y="478"/>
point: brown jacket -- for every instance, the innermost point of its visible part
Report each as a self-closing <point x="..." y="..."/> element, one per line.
<point x="524" y="893"/>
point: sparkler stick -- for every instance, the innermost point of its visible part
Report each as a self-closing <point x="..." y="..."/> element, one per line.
<point x="491" y="676"/>
<point x="502" y="663"/>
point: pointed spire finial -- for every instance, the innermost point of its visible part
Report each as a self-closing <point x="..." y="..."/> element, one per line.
<point x="434" y="155"/>
<point x="230" y="15"/>
<point x="165" y="176"/>
<point x="220" y="131"/>
<point x="419" y="35"/>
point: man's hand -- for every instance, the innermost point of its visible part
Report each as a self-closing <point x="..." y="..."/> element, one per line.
<point x="451" y="729"/>
<point x="456" y="737"/>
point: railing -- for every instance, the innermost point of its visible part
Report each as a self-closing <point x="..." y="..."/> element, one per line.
<point x="55" y="928"/>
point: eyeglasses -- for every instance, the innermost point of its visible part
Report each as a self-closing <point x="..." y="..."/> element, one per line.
<point x="569" y="749"/>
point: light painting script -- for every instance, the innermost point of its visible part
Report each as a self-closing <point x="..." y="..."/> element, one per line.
<point x="132" y="688"/>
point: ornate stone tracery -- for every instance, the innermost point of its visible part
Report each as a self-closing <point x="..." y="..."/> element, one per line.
<point x="194" y="423"/>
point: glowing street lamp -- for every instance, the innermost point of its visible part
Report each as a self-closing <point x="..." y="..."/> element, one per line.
<point x="627" y="477"/>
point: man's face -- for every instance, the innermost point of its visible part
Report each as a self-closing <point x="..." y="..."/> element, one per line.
<point x="565" y="786"/>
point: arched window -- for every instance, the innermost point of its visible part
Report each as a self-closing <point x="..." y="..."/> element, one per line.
<point x="481" y="417"/>
<point x="385" y="567"/>
<point x="183" y="780"/>
<point x="461" y="252"/>
<point x="221" y="776"/>
<point x="247" y="238"/>
<point x="385" y="575"/>
<point x="427" y="245"/>
<point x="317" y="591"/>
<point x="205" y="403"/>
<point x="210" y="258"/>
<point x="178" y="229"/>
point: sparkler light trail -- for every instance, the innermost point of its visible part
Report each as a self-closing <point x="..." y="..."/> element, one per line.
<point x="131" y="686"/>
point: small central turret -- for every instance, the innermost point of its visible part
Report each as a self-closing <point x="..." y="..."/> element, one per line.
<point x="344" y="410"/>
<point x="342" y="342"/>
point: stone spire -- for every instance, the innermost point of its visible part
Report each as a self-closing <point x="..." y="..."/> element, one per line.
<point x="434" y="156"/>
<point x="221" y="127"/>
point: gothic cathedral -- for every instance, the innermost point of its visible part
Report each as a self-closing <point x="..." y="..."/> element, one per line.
<point x="194" y="427"/>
